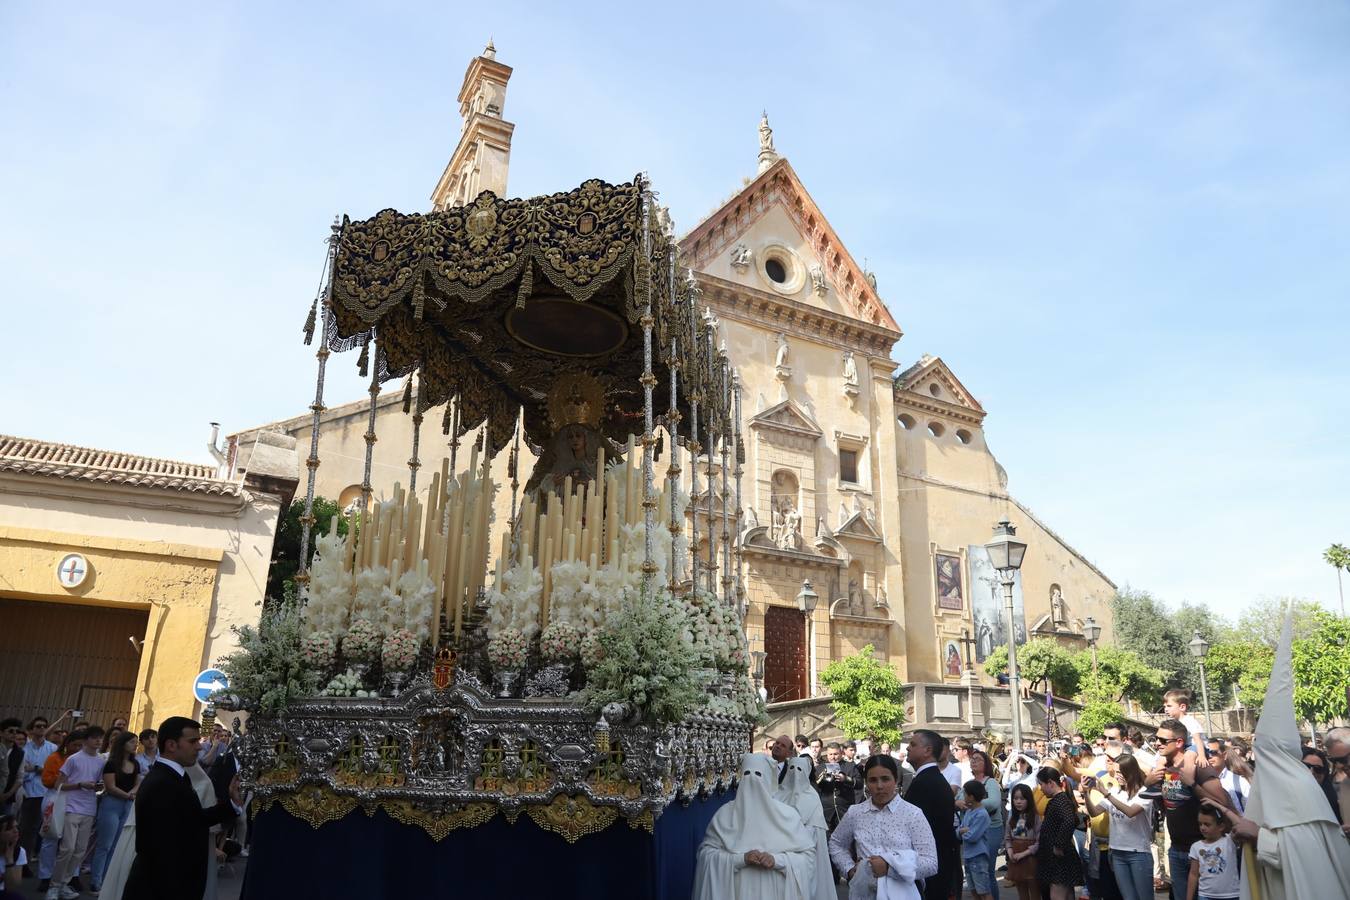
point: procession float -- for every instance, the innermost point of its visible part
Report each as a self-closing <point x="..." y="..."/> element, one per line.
<point x="532" y="685"/>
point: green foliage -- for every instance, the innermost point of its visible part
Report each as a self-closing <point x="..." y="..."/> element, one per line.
<point x="1040" y="661"/>
<point x="1322" y="670"/>
<point x="1098" y="711"/>
<point x="868" y="698"/>
<point x="1159" y="636"/>
<point x="1121" y="675"/>
<point x="266" y="671"/>
<point x="644" y="662"/>
<point x="1263" y="620"/>
<point x="286" y="547"/>
<point x="1245" y="663"/>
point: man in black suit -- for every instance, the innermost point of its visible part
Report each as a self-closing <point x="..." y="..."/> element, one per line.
<point x="782" y="749"/>
<point x="931" y="793"/>
<point x="837" y="781"/>
<point x="172" y="828"/>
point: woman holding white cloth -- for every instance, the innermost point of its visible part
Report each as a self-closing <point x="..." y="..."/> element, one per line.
<point x="895" y="845"/>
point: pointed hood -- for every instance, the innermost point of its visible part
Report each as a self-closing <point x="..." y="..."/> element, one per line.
<point x="1284" y="792"/>
<point x="755" y="820"/>
<point x="796" y="791"/>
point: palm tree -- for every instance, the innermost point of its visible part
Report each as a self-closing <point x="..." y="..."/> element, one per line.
<point x="1338" y="556"/>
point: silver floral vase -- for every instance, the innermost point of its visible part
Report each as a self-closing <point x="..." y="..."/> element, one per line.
<point x="395" y="681"/>
<point x="506" y="683"/>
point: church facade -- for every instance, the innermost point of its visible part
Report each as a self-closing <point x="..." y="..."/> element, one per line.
<point x="868" y="486"/>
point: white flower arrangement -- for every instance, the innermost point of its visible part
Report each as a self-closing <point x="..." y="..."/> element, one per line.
<point x="560" y="642"/>
<point x="318" y="650"/>
<point x="329" y="594"/>
<point x="371" y="585"/>
<point x="362" y="642"/>
<point x="514" y="602"/>
<point x="564" y="604"/>
<point x="507" y="650"/>
<point x="399" y="651"/>
<point x="644" y="661"/>
<point x="409" y="609"/>
<point x="346" y="684"/>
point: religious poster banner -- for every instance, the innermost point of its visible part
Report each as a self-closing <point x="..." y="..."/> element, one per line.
<point x="987" y="607"/>
<point x="949" y="581"/>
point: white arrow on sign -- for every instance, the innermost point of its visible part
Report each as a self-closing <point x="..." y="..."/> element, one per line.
<point x="211" y="686"/>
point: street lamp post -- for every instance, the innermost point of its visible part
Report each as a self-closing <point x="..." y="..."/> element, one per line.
<point x="1092" y="631"/>
<point x="1199" y="648"/>
<point x="1005" y="553"/>
<point x="807" y="599"/>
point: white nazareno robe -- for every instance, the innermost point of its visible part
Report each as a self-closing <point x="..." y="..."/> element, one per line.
<point x="756" y="821"/>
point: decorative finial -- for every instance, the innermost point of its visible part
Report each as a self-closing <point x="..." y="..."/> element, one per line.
<point x="490" y="51"/>
<point x="767" y="154"/>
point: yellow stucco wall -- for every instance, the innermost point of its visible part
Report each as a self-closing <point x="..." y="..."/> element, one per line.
<point x="175" y="582"/>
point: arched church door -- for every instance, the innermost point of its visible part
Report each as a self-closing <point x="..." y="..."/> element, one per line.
<point x="785" y="653"/>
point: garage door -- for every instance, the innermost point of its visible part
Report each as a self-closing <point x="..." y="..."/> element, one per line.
<point x="59" y="656"/>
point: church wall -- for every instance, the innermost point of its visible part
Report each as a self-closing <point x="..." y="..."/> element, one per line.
<point x="948" y="518"/>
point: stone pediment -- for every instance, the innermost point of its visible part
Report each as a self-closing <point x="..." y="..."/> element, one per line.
<point x="787" y="416"/>
<point x="857" y="526"/>
<point x="930" y="383"/>
<point x="778" y="189"/>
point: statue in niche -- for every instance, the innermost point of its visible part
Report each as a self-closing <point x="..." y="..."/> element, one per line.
<point x="1059" y="613"/>
<point x="780" y="360"/>
<point x="574" y="407"/>
<point x="817" y="279"/>
<point x="741" y="256"/>
<point x="791" y="536"/>
<point x="854" y="597"/>
<point x="751" y="519"/>
<point x="850" y="370"/>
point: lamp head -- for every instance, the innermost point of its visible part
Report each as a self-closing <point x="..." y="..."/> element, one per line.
<point x="807" y="598"/>
<point x="1005" y="551"/>
<point x="1091" y="630"/>
<point x="1199" y="647"/>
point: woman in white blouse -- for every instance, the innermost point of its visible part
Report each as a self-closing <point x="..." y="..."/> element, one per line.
<point x="1131" y="837"/>
<point x="884" y="840"/>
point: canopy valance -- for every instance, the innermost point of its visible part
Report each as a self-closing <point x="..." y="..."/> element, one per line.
<point x="495" y="301"/>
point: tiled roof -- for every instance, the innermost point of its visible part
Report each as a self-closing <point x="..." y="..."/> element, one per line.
<point x="31" y="457"/>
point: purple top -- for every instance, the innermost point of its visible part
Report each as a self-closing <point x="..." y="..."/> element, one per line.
<point x="78" y="768"/>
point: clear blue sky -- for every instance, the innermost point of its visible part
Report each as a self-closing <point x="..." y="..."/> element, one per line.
<point x="1125" y="226"/>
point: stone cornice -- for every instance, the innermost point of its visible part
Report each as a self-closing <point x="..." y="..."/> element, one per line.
<point x="752" y="306"/>
<point x="793" y="556"/>
<point x="916" y="400"/>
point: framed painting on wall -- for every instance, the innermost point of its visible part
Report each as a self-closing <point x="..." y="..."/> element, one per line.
<point x="948" y="580"/>
<point x="951" y="659"/>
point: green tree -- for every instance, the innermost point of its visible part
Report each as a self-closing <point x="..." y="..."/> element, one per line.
<point x="868" y="699"/>
<point x="1322" y="670"/>
<point x="1040" y="662"/>
<point x="1159" y="637"/>
<point x="1244" y="663"/>
<point x="1121" y="675"/>
<point x="286" y="547"/>
<point x="1264" y="619"/>
<point x="1338" y="557"/>
<point x="1098" y="711"/>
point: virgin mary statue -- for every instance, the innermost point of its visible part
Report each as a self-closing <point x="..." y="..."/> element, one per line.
<point x="574" y="407"/>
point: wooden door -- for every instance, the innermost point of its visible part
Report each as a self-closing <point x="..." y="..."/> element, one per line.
<point x="785" y="653"/>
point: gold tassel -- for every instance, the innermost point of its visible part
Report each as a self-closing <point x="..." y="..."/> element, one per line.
<point x="363" y="361"/>
<point x="445" y="422"/>
<point x="310" y="321"/>
<point x="407" y="396"/>
<point x="526" y="285"/>
<point x="419" y="296"/>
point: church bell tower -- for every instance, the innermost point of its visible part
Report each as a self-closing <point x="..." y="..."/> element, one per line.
<point x="481" y="158"/>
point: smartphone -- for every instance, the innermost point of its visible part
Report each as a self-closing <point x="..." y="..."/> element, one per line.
<point x="77" y="714"/>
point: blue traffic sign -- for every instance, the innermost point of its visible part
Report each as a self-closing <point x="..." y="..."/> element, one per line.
<point x="207" y="683"/>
